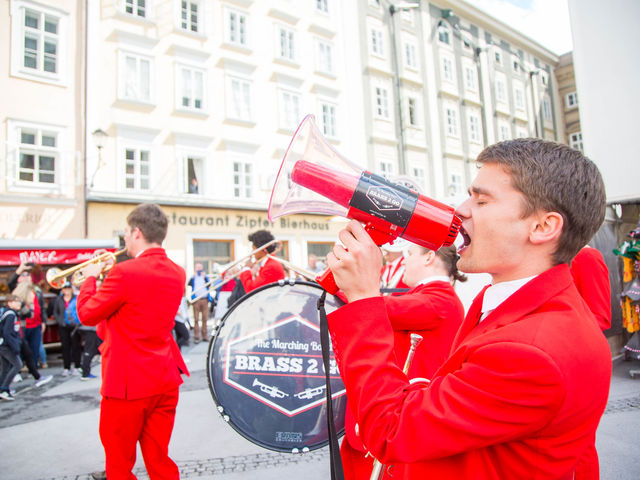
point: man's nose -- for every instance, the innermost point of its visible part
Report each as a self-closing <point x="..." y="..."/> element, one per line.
<point x="463" y="210"/>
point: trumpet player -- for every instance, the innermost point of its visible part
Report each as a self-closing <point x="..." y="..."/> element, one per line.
<point x="510" y="401"/>
<point x="134" y="311"/>
<point x="261" y="270"/>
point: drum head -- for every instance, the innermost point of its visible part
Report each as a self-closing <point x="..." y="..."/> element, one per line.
<point x="265" y="369"/>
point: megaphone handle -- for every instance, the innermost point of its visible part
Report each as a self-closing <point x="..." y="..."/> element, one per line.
<point x="379" y="237"/>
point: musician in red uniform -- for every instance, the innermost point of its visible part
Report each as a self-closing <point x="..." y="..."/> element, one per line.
<point x="134" y="310"/>
<point x="517" y="397"/>
<point x="393" y="269"/>
<point x="591" y="276"/>
<point x="431" y="309"/>
<point x="263" y="270"/>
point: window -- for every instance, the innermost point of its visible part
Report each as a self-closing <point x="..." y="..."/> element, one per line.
<point x="466" y="43"/>
<point x="242" y="179"/>
<point x="516" y="65"/>
<point x="447" y="69"/>
<point x="286" y="44"/>
<point x="455" y="184"/>
<point x="386" y="168"/>
<point x="319" y="249"/>
<point x="504" y="131"/>
<point x="325" y="57"/>
<point x="518" y="94"/>
<point x="190" y="16"/>
<point x="452" y="122"/>
<point x="543" y="77"/>
<point x="575" y="140"/>
<point x="410" y="58"/>
<point x="498" y="57"/>
<point x="38" y="153"/>
<point x="191" y="89"/>
<point x="289" y="109"/>
<point x="237" y="28"/>
<point x="208" y="252"/>
<point x="419" y="175"/>
<point x="240" y="101"/>
<point x="412" y="109"/>
<point x="474" y="128"/>
<point x="328" y="119"/>
<point x="377" y="47"/>
<point x="136" y="170"/>
<point x="382" y="102"/>
<point x="41" y="42"/>
<point x="572" y="99"/>
<point x="470" y="80"/>
<point x="521" y="132"/>
<point x="135" y="78"/>
<point x="546" y="110"/>
<point x="444" y="35"/>
<point x="322" y="6"/>
<point x="194" y="175"/>
<point x="501" y="90"/>
<point x="136" y="8"/>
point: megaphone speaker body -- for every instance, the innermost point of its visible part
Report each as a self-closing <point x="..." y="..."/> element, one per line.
<point x="314" y="178"/>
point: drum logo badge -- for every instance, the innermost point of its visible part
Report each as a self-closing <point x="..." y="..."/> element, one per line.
<point x="281" y="366"/>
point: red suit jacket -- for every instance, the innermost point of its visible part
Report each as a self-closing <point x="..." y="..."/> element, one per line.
<point x="517" y="397"/>
<point x="432" y="310"/>
<point x="591" y="276"/>
<point x="135" y="309"/>
<point x="390" y="273"/>
<point x="270" y="272"/>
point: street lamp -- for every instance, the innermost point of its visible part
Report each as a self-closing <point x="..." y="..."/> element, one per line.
<point x="393" y="9"/>
<point x="99" y="138"/>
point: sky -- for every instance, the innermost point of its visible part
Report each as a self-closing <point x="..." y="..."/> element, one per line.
<point x="545" y="21"/>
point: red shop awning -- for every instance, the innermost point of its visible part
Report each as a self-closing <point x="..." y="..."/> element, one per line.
<point x="51" y="252"/>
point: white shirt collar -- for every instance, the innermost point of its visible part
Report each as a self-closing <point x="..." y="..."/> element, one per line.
<point x="435" y="278"/>
<point x="498" y="293"/>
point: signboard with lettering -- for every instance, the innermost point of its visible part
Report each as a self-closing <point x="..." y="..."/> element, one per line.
<point x="266" y="372"/>
<point x="44" y="256"/>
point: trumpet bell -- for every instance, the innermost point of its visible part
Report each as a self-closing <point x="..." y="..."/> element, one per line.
<point x="54" y="278"/>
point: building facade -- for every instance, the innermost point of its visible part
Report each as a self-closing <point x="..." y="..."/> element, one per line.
<point x="191" y="104"/>
<point x="568" y="93"/>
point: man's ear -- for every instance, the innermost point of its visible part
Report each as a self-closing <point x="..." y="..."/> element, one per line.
<point x="546" y="227"/>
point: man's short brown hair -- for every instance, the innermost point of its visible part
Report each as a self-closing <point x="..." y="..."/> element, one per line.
<point x="150" y="220"/>
<point x="554" y="178"/>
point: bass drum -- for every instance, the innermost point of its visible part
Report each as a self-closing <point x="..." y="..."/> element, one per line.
<point x="265" y="369"/>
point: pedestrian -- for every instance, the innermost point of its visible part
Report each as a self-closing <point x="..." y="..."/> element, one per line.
<point x="63" y="312"/>
<point x="200" y="284"/>
<point x="9" y="345"/>
<point x="509" y="402"/>
<point x="134" y="310"/>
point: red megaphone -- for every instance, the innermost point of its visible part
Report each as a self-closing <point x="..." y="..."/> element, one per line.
<point x="312" y="179"/>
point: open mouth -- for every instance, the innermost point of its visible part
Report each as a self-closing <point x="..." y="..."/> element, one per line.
<point x="466" y="238"/>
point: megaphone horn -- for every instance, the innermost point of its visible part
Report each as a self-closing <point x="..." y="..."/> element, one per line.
<point x="314" y="178"/>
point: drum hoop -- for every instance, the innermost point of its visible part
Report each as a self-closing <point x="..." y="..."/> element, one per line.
<point x="280" y="283"/>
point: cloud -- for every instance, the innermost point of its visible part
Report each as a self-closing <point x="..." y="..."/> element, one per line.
<point x="545" y="21"/>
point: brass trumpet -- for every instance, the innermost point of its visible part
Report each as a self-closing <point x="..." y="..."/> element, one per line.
<point x="57" y="277"/>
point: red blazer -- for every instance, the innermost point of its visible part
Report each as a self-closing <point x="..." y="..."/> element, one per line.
<point x="591" y="276"/>
<point x="432" y="310"/>
<point x="270" y="272"/>
<point x="517" y="397"/>
<point x="387" y="274"/>
<point x="135" y="309"/>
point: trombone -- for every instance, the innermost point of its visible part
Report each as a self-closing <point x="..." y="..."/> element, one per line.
<point x="224" y="270"/>
<point x="57" y="277"/>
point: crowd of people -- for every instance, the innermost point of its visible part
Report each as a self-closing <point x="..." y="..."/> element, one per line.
<point x="502" y="390"/>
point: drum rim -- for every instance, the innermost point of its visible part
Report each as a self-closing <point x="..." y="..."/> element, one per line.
<point x="227" y="420"/>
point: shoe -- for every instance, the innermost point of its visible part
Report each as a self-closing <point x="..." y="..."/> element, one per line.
<point x="44" y="380"/>
<point x="88" y="377"/>
<point x="75" y="372"/>
<point x="44" y="365"/>
<point x="6" y="396"/>
<point x="17" y="378"/>
<point x="65" y="372"/>
<point x="99" y="475"/>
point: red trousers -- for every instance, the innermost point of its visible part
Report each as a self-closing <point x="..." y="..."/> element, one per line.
<point x="149" y="420"/>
